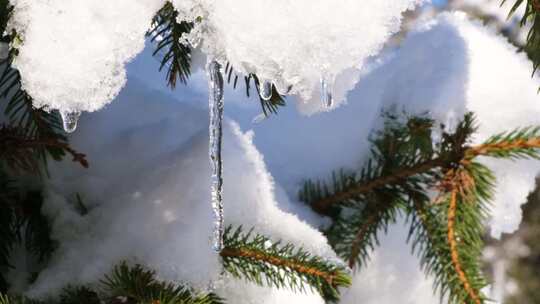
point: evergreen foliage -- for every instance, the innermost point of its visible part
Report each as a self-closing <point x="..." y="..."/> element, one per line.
<point x="28" y="139"/>
<point x="137" y="285"/>
<point x="530" y="17"/>
<point x="446" y="231"/>
<point x="125" y="284"/>
<point x="255" y="258"/>
<point x="168" y="35"/>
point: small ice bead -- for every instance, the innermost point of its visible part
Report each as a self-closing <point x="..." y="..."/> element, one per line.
<point x="265" y="90"/>
<point x="70" y="120"/>
<point x="327" y="87"/>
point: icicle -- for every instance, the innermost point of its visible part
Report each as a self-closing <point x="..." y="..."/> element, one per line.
<point x="215" y="85"/>
<point x="265" y="89"/>
<point x="69" y="120"/>
<point x="327" y="87"/>
<point x="259" y="118"/>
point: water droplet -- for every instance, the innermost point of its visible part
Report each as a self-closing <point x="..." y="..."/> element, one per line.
<point x="265" y="89"/>
<point x="215" y="102"/>
<point x="327" y="88"/>
<point x="69" y="120"/>
<point x="267" y="244"/>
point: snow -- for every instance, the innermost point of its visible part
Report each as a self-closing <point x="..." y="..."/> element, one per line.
<point x="470" y="68"/>
<point x="447" y="67"/>
<point x="149" y="201"/>
<point x="73" y="55"/>
<point x="302" y="41"/>
<point x="494" y="8"/>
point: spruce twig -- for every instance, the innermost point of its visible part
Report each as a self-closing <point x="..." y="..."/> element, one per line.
<point x="255" y="258"/>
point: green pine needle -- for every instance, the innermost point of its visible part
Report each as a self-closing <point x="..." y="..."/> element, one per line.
<point x="175" y="54"/>
<point x="517" y="144"/>
<point x="257" y="259"/>
<point x="141" y="286"/>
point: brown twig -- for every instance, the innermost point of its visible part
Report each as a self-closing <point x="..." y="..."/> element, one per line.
<point x="10" y="141"/>
<point x="459" y="183"/>
<point x="276" y="261"/>
<point x="355" y="248"/>
<point x="322" y="205"/>
<point x="485" y="149"/>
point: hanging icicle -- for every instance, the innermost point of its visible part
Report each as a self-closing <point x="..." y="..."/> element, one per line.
<point x="327" y="88"/>
<point x="215" y="86"/>
<point x="69" y="120"/>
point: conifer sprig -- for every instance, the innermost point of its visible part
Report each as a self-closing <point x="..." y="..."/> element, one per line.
<point x="517" y="144"/>
<point x="403" y="157"/>
<point x="140" y="286"/>
<point x="175" y="54"/>
<point x="405" y="167"/>
<point x="22" y="152"/>
<point x="268" y="106"/>
<point x="530" y="17"/>
<point x="31" y="136"/>
<point x="355" y="235"/>
<point x="8" y="231"/>
<point x="255" y="258"/>
<point x="465" y="195"/>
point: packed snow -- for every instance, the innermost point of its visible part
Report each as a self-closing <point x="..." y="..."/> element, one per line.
<point x="73" y="55"/>
<point x="73" y="52"/>
<point x="147" y="186"/>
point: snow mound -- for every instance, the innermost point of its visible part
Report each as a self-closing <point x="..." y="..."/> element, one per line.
<point x="461" y="66"/>
<point x="73" y="54"/>
<point x="295" y="44"/>
<point x="149" y="203"/>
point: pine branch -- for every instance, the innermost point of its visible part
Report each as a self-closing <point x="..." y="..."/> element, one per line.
<point x="138" y="285"/>
<point x="257" y="259"/>
<point x="168" y="34"/>
<point x="268" y="106"/>
<point x="447" y="233"/>
<point x="518" y="144"/>
<point x="353" y="188"/>
<point x="5" y="299"/>
<point x="79" y="295"/>
<point x="532" y="17"/>
<point x="403" y="156"/>
<point x="38" y="131"/>
<point x="18" y="149"/>
<point x="354" y="236"/>
<point x="36" y="226"/>
<point x="6" y="10"/>
<point x="8" y="233"/>
<point x="175" y="54"/>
